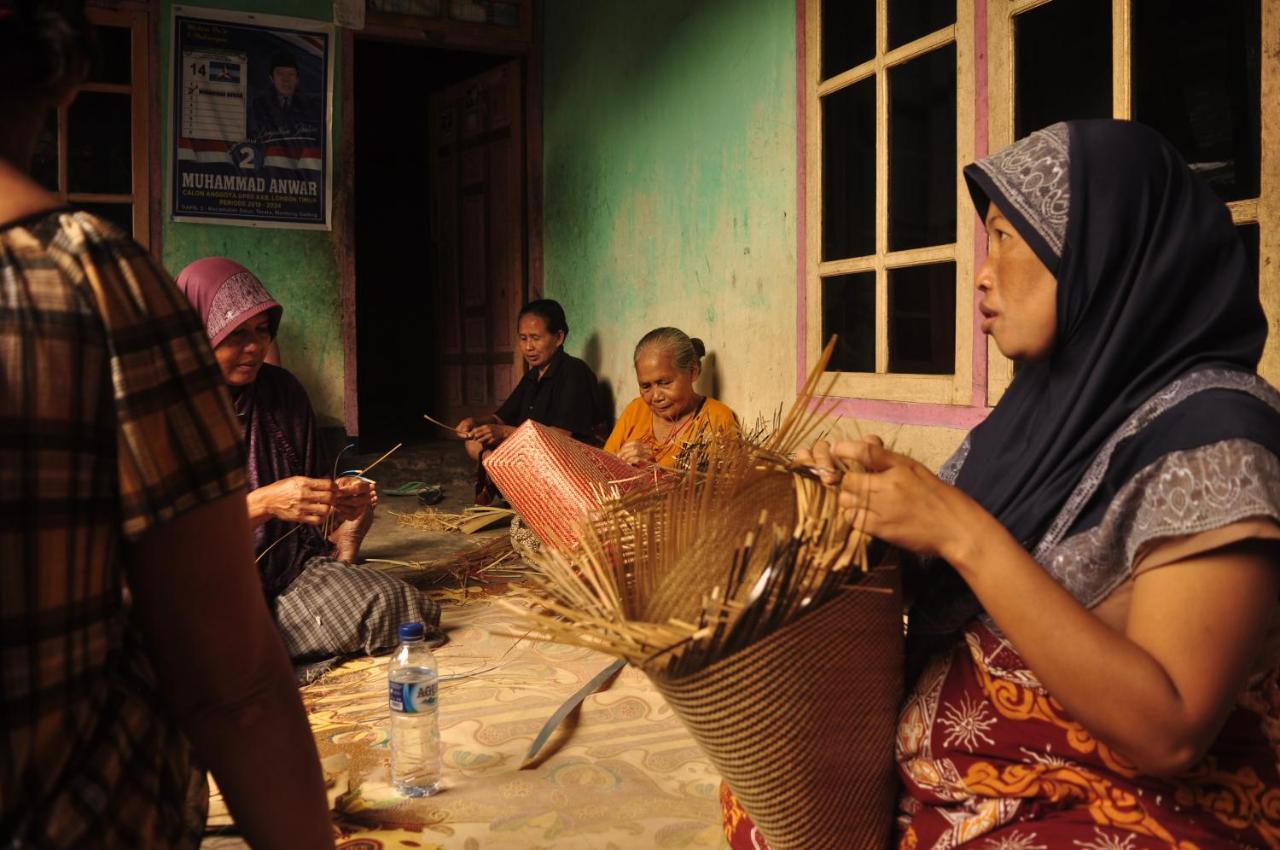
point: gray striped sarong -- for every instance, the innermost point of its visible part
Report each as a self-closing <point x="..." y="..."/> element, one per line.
<point x="336" y="609"/>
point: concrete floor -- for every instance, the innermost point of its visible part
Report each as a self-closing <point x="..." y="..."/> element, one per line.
<point x="444" y="463"/>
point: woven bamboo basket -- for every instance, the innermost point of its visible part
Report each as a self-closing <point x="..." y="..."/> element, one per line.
<point x="745" y="593"/>
<point x="801" y="724"/>
<point x="554" y="482"/>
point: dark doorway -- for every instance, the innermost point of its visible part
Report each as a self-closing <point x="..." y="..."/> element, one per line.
<point x="396" y="346"/>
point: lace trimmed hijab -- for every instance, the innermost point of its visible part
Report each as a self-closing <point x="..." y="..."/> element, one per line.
<point x="1159" y="333"/>
<point x="225" y="294"/>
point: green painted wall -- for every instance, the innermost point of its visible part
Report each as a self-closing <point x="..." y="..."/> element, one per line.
<point x="298" y="267"/>
<point x="670" y="185"/>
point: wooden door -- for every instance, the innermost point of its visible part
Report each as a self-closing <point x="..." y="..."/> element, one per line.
<point x="478" y="226"/>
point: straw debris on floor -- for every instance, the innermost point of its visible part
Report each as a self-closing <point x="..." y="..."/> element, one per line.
<point x="489" y="566"/>
<point x="471" y="520"/>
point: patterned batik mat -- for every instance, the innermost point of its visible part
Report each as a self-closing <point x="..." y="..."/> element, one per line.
<point x="626" y="777"/>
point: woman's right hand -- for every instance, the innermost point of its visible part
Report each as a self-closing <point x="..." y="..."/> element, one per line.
<point x="296" y="499"/>
<point x="636" y="452"/>
<point x="465" y="427"/>
<point x="897" y="499"/>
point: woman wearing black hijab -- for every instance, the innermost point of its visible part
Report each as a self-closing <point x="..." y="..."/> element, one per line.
<point x="1096" y="626"/>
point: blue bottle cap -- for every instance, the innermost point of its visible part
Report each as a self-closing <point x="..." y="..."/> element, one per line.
<point x="411" y="631"/>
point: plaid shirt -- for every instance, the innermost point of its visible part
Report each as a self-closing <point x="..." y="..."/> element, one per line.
<point x="113" y="418"/>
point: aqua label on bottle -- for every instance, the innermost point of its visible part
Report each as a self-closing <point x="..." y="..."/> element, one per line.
<point x="412" y="697"/>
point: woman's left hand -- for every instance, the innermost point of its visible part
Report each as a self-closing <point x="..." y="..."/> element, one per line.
<point x="898" y="500"/>
<point x="490" y="436"/>
<point x="356" y="496"/>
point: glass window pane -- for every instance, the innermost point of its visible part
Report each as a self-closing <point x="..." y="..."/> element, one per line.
<point x="1197" y="77"/>
<point x="848" y="34"/>
<point x="1249" y="236"/>
<point x="922" y="319"/>
<point x="849" y="312"/>
<point x="112" y="55"/>
<point x="922" y="150"/>
<point x="121" y="215"/>
<point x="849" y="171"/>
<point x="44" y="164"/>
<point x="911" y="19"/>
<point x="1062" y="63"/>
<point x="98" y="144"/>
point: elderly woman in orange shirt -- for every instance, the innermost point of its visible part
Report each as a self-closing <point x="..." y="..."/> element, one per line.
<point x="669" y="413"/>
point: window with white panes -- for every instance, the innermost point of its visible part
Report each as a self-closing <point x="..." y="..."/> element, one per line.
<point x="1205" y="74"/>
<point x="889" y="233"/>
<point x="93" y="154"/>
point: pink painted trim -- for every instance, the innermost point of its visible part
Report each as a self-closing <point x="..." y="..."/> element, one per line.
<point x="980" y="143"/>
<point x="802" y="172"/>
<point x="903" y="413"/>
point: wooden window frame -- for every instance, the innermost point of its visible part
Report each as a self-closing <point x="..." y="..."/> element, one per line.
<point x="953" y="389"/>
<point x="463" y="35"/>
<point x="140" y="93"/>
<point x="1263" y="210"/>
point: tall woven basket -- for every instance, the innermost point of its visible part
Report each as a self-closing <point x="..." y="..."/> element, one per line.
<point x="801" y="724"/>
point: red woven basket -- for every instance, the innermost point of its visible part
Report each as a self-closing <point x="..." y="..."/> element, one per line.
<point x="554" y="482"/>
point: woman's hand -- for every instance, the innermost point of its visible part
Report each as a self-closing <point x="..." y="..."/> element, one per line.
<point x="898" y="500"/>
<point x="465" y="427"/>
<point x="296" y="499"/>
<point x="489" y="436"/>
<point x="636" y="452"/>
<point x="355" y="506"/>
<point x="355" y="497"/>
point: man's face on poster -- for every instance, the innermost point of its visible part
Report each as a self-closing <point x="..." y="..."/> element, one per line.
<point x="285" y="80"/>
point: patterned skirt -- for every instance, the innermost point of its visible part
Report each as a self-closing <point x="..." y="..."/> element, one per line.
<point x="335" y="609"/>
<point x="991" y="761"/>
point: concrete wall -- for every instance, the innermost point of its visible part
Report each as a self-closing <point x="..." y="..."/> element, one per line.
<point x="298" y="267"/>
<point x="670" y="193"/>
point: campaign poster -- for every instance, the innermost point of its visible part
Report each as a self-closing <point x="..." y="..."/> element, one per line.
<point x="252" y="111"/>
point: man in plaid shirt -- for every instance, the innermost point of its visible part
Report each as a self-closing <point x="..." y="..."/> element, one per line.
<point x="131" y="615"/>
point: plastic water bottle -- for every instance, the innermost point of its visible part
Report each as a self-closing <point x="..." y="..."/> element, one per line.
<point x="415" y="730"/>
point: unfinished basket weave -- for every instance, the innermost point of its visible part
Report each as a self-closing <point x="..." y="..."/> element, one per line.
<point x="554" y="482"/>
<point x="743" y="590"/>
<point x="801" y="724"/>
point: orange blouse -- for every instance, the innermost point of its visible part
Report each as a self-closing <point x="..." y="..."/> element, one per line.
<point x="636" y="423"/>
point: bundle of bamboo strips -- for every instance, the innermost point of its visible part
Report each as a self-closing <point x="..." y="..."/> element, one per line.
<point x="495" y="561"/>
<point x="725" y="587"/>
<point x="471" y="520"/>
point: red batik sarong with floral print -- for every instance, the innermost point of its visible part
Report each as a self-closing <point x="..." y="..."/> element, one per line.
<point x="990" y="760"/>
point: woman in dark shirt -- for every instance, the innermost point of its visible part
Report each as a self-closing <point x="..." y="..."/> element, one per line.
<point x="558" y="391"/>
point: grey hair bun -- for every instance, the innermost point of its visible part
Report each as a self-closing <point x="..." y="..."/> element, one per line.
<point x="686" y="352"/>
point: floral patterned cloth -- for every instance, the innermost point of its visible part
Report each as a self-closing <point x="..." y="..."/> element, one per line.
<point x="989" y="757"/>
<point x="991" y="761"/>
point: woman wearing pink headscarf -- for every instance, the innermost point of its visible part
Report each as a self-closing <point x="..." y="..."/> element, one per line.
<point x="324" y="604"/>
